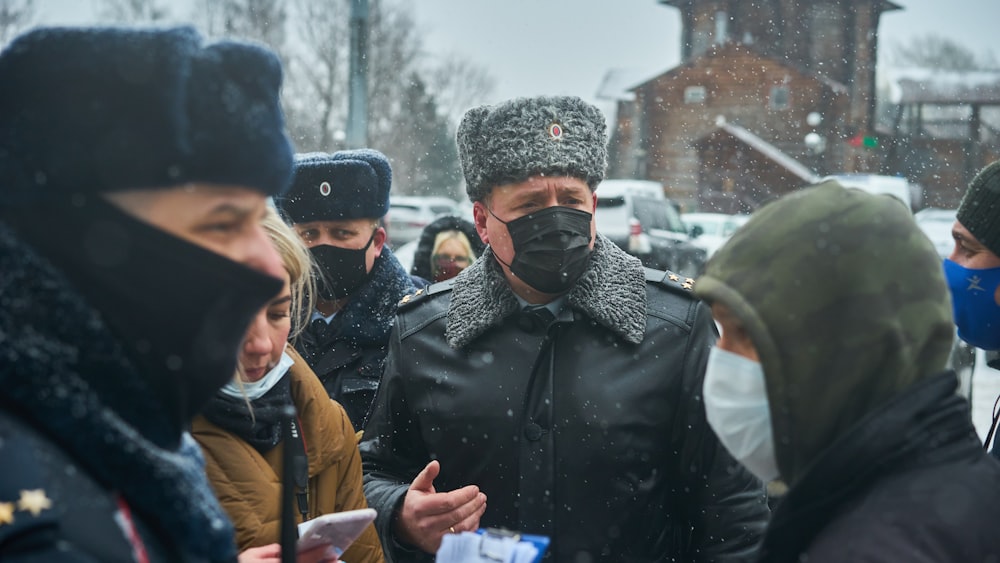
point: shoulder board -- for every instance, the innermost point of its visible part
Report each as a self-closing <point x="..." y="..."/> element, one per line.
<point x="412" y="299"/>
<point x="670" y="280"/>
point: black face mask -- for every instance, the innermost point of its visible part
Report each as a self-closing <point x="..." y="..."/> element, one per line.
<point x="551" y="247"/>
<point x="342" y="270"/>
<point x="179" y="310"/>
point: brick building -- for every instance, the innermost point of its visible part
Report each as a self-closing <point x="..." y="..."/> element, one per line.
<point x="778" y="70"/>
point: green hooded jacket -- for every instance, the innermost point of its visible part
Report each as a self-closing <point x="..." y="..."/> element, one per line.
<point x="845" y="300"/>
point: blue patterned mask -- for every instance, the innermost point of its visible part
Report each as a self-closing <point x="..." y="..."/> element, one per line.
<point x="977" y="314"/>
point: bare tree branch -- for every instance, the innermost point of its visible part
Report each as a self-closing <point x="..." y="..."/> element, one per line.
<point x="15" y="16"/>
<point x="133" y="11"/>
<point x="458" y="84"/>
<point x="934" y="51"/>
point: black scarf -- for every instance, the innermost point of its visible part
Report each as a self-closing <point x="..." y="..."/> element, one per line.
<point x="179" y="310"/>
<point x="85" y="393"/>
<point x="260" y="428"/>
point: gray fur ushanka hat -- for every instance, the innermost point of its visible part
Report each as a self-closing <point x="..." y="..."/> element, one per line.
<point x="524" y="137"/>
<point x="92" y="110"/>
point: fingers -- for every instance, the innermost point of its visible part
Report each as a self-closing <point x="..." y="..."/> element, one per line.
<point x="264" y="554"/>
<point x="425" y="517"/>
<point x="470" y="523"/>
<point x="424" y="481"/>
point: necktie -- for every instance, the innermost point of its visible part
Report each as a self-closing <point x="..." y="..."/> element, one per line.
<point x="535" y="317"/>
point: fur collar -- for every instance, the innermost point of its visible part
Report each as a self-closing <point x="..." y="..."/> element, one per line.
<point x="612" y="292"/>
<point x="368" y="316"/>
<point x="52" y="345"/>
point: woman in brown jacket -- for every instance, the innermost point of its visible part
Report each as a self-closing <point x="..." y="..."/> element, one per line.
<point x="240" y="434"/>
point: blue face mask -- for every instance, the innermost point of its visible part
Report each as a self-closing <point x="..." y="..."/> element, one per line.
<point x="977" y="314"/>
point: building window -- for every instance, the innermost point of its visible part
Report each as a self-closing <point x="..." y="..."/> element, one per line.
<point x="694" y="95"/>
<point x="780" y="97"/>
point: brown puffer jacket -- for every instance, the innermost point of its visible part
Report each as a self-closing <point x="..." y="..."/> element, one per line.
<point x="249" y="485"/>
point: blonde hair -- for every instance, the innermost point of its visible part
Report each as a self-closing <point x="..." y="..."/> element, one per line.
<point x="458" y="236"/>
<point x="298" y="263"/>
<point x="297" y="260"/>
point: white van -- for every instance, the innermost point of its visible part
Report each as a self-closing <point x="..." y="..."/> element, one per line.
<point x="639" y="218"/>
<point x="898" y="187"/>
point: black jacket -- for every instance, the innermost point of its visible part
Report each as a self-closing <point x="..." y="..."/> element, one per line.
<point x="590" y="430"/>
<point x="348" y="354"/>
<point x="65" y="386"/>
<point x="910" y="482"/>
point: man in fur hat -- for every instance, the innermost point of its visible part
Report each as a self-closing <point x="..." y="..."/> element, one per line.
<point x="336" y="204"/>
<point x="555" y="377"/>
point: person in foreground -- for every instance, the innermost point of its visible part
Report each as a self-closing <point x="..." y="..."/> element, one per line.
<point x="135" y="168"/>
<point x="829" y="375"/>
<point x="554" y="376"/>
<point x="335" y="204"/>
<point x="240" y="428"/>
<point x="973" y="271"/>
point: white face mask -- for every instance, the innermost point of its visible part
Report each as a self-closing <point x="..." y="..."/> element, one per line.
<point x="737" y="410"/>
<point x="255" y="389"/>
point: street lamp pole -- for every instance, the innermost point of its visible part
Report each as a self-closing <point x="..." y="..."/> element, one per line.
<point x="357" y="107"/>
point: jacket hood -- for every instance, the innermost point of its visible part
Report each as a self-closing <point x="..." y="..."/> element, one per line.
<point x="425" y="246"/>
<point x="845" y="300"/>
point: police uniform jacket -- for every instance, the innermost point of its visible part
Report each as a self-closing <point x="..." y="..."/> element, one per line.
<point x="248" y="483"/>
<point x="348" y="352"/>
<point x="588" y="428"/>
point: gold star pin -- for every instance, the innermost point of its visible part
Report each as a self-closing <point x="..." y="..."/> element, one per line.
<point x="6" y="513"/>
<point x="686" y="286"/>
<point x="419" y="291"/>
<point x="406" y="299"/>
<point x="674" y="277"/>
<point x="689" y="280"/>
<point x="34" y="501"/>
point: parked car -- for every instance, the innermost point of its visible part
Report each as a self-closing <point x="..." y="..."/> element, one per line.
<point x="408" y="215"/>
<point x="711" y="230"/>
<point x="637" y="216"/>
<point x="936" y="224"/>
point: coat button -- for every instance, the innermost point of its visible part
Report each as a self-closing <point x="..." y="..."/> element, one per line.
<point x="533" y="432"/>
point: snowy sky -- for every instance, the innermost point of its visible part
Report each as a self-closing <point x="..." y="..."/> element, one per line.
<point x="566" y="46"/>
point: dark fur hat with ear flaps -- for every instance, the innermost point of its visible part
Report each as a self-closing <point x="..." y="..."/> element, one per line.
<point x="351" y="184"/>
<point x="92" y="110"/>
<point x="524" y="137"/>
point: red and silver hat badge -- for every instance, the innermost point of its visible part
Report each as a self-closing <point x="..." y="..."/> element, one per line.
<point x="324" y="188"/>
<point x="555" y="131"/>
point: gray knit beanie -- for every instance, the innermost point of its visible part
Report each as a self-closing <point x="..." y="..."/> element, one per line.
<point x="524" y="137"/>
<point x="980" y="208"/>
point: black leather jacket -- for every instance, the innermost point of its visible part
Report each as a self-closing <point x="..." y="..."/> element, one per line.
<point x="590" y="430"/>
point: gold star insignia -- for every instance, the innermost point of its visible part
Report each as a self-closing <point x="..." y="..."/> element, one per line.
<point x="34" y="501"/>
<point x="406" y="299"/>
<point x="689" y="280"/>
<point x="686" y="286"/>
<point x="419" y="291"/>
<point x="674" y="277"/>
<point x="6" y="513"/>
